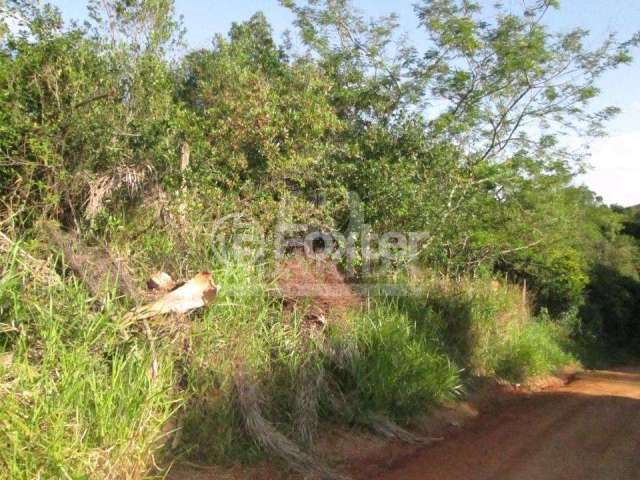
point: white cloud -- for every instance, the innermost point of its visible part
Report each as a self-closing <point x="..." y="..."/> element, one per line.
<point x="615" y="173"/>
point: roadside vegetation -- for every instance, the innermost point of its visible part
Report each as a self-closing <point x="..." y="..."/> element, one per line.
<point x="119" y="158"/>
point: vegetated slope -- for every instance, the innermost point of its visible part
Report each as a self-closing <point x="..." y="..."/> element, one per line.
<point x="586" y="430"/>
<point x="377" y="367"/>
<point x="152" y="160"/>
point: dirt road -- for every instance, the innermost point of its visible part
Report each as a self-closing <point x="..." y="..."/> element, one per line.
<point x="587" y="430"/>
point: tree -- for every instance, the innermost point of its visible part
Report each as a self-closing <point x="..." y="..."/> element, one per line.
<point x="260" y="126"/>
<point x="511" y="84"/>
<point x="470" y="130"/>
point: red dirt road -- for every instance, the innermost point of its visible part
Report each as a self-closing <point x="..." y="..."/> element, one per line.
<point x="587" y="430"/>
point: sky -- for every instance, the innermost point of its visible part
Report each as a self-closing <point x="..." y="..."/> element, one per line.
<point x="615" y="159"/>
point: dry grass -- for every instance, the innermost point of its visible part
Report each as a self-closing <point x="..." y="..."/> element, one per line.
<point x="96" y="266"/>
<point x="39" y="270"/>
<point x="266" y="434"/>
<point x="128" y="178"/>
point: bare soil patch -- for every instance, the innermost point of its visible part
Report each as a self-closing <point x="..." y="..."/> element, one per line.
<point x="586" y="430"/>
<point x="315" y="288"/>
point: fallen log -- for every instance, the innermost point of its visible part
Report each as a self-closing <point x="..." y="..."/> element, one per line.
<point x="196" y="293"/>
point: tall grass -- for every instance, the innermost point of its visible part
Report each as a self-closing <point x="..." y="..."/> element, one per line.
<point x="76" y="401"/>
<point x="81" y="397"/>
<point x="389" y="367"/>
<point x="487" y="327"/>
<point x="372" y="361"/>
<point x="528" y="351"/>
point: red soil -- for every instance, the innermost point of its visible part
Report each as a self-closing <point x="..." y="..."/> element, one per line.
<point x="316" y="287"/>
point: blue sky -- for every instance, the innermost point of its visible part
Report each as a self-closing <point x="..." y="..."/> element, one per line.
<point x="615" y="160"/>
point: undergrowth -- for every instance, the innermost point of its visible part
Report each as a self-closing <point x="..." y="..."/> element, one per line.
<point x="81" y="396"/>
<point x="77" y="399"/>
<point x="486" y="327"/>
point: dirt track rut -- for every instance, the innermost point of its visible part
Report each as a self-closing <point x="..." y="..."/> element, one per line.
<point x="587" y="430"/>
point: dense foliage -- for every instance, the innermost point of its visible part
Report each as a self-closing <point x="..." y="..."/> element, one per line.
<point x="107" y="132"/>
<point x="468" y="128"/>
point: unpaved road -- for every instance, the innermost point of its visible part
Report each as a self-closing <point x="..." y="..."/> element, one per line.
<point x="587" y="430"/>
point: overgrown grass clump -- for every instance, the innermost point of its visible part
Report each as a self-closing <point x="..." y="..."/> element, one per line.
<point x="77" y="399"/>
<point x="391" y="367"/>
<point x="530" y="350"/>
<point x="487" y="328"/>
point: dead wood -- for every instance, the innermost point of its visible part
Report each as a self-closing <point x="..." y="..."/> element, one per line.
<point x="389" y="429"/>
<point x="185" y="152"/>
<point x="196" y="293"/>
<point x="268" y="436"/>
<point x="161" y="281"/>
